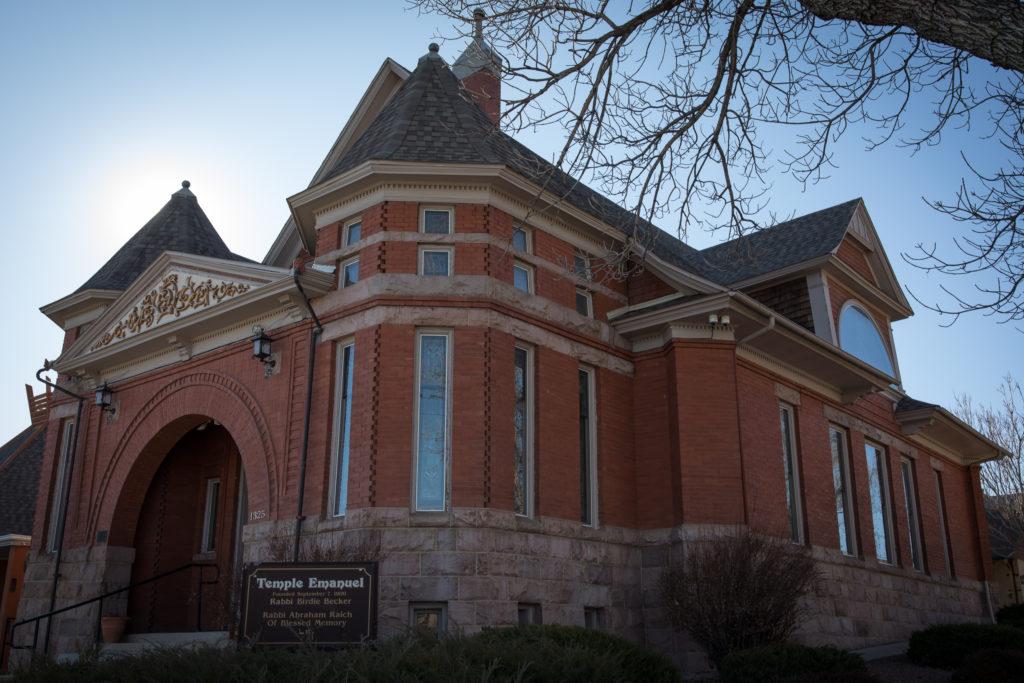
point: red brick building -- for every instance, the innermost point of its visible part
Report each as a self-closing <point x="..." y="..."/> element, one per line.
<point x="455" y="390"/>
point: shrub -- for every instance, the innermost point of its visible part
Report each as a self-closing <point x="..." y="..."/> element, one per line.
<point x="535" y="653"/>
<point x="991" y="665"/>
<point x="1011" y="615"/>
<point x="533" y="642"/>
<point x="948" y="645"/>
<point x="734" y="592"/>
<point x="790" y="662"/>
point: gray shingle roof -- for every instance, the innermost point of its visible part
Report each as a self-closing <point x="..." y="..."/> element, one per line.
<point x="433" y="119"/>
<point x="20" y="461"/>
<point x="794" y="241"/>
<point x="908" y="404"/>
<point x="181" y="225"/>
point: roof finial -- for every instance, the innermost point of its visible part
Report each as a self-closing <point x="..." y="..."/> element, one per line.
<point x="186" y="184"/>
<point x="434" y="47"/>
<point x="478" y="21"/>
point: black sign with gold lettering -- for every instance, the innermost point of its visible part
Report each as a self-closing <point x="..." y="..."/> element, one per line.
<point x="312" y="604"/>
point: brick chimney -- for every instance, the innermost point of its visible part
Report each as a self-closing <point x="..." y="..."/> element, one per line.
<point x="38" y="406"/>
<point x="478" y="68"/>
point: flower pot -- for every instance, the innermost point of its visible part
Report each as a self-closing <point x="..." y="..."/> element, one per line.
<point x="112" y="628"/>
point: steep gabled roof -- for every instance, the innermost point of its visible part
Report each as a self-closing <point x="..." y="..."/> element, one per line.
<point x="431" y="118"/>
<point x="181" y="225"/>
<point x="20" y="461"/>
<point x="801" y="239"/>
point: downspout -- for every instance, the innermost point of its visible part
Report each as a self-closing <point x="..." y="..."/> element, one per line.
<point x="314" y="336"/>
<point x="66" y="497"/>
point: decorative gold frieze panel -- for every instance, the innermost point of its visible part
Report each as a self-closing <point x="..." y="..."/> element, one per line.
<point x="171" y="299"/>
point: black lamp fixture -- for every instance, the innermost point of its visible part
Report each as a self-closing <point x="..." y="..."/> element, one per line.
<point x="104" y="397"/>
<point x="261" y="348"/>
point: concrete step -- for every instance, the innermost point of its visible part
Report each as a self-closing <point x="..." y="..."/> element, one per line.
<point x="139" y="643"/>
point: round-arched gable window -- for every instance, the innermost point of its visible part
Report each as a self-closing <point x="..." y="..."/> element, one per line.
<point x="859" y="336"/>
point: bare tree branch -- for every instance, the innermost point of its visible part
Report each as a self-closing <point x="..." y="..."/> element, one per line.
<point x="666" y="105"/>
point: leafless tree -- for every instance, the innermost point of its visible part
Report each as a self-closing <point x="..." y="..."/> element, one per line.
<point x="1002" y="480"/>
<point x="667" y="104"/>
<point x="737" y="591"/>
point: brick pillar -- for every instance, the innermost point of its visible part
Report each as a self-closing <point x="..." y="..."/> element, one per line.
<point x="707" y="427"/>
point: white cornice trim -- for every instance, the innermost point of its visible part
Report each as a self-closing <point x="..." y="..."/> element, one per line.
<point x="75" y="305"/>
<point x="269" y="284"/>
<point x="856" y="281"/>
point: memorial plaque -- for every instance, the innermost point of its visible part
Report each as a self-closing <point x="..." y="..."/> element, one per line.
<point x="319" y="604"/>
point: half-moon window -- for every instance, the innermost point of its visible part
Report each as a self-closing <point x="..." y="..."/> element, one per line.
<point x="859" y="337"/>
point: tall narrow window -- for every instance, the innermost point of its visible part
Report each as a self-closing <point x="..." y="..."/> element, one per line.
<point x="940" y="498"/>
<point x="209" y="542"/>
<point x="432" y="429"/>
<point x="913" y="515"/>
<point x="343" y="422"/>
<point x="523" y="484"/>
<point x="843" y="490"/>
<point x="588" y="465"/>
<point x="791" y="473"/>
<point x="60" y="485"/>
<point x="881" y="509"/>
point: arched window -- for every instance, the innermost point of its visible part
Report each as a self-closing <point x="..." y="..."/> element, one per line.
<point x="859" y="337"/>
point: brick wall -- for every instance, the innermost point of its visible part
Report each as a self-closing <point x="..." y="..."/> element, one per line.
<point x="687" y="436"/>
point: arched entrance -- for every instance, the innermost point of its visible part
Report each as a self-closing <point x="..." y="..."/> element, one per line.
<point x="189" y="515"/>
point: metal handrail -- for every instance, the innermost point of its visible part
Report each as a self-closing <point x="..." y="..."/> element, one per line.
<point x="101" y="598"/>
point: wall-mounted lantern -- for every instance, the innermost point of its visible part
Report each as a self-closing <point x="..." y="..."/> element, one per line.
<point x="104" y="397"/>
<point x="262" y="350"/>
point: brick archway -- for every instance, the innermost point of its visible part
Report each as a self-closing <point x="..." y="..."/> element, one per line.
<point x="175" y="410"/>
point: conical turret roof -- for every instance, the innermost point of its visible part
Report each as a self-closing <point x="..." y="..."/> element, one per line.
<point x="181" y="225"/>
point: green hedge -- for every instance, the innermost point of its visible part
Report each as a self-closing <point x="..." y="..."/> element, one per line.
<point x="991" y="666"/>
<point x="948" y="645"/>
<point x="534" y="653"/>
<point x="792" y="662"/>
<point x="1011" y="615"/>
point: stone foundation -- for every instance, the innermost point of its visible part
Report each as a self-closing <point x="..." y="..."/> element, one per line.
<point x="482" y="564"/>
<point x="84" y="573"/>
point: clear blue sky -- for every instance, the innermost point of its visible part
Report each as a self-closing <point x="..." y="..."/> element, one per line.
<point x="107" y="106"/>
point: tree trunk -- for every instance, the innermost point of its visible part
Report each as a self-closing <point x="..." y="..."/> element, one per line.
<point x="989" y="29"/>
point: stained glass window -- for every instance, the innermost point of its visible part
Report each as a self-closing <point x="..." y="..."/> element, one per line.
<point x="521" y="485"/>
<point x="346" y="371"/>
<point x="432" y="430"/>
<point x="587" y="505"/>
